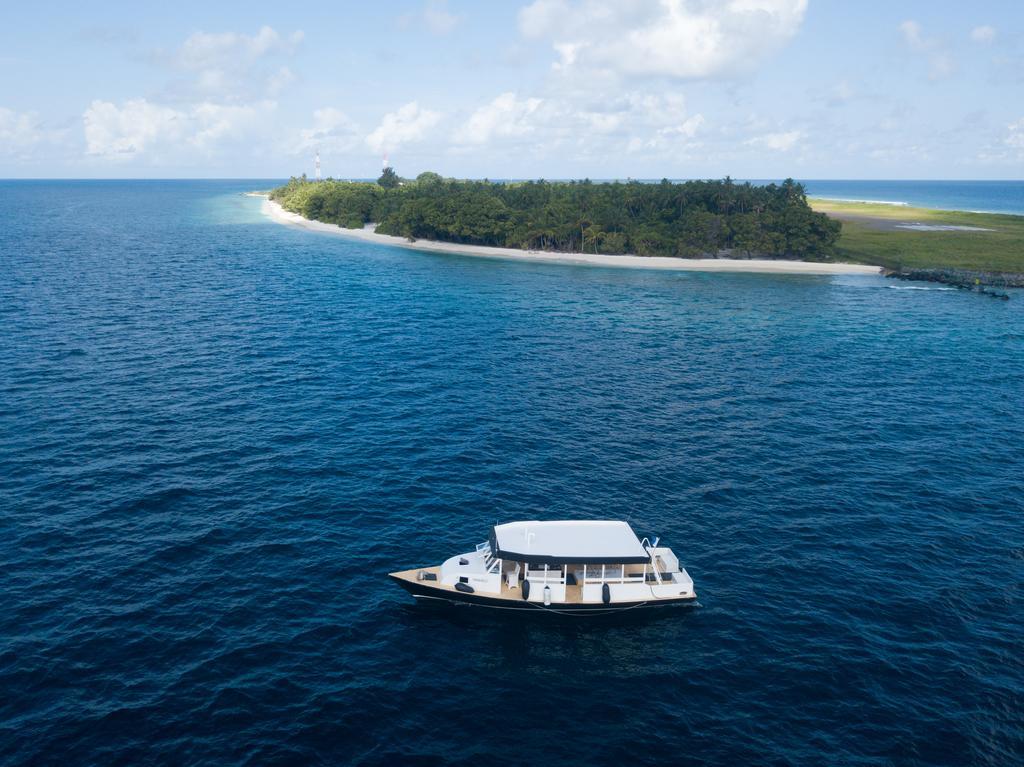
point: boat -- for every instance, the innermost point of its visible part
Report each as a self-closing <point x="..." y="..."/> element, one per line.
<point x="576" y="567"/>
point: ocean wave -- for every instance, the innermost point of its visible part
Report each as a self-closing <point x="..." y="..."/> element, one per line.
<point x="200" y="514"/>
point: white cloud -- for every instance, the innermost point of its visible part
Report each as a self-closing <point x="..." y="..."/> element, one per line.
<point x="911" y="31"/>
<point x="777" y="142"/>
<point x="224" y="103"/>
<point x="438" y="18"/>
<point x="435" y="16"/>
<point x="213" y="50"/>
<point x="279" y="81"/>
<point x="983" y="34"/>
<point x="660" y="123"/>
<point x="127" y="130"/>
<point x="670" y="38"/>
<point x="1015" y="136"/>
<point x="138" y="127"/>
<point x="940" y="62"/>
<point x="506" y="116"/>
<point x="663" y="138"/>
<point x="232" y="66"/>
<point x="332" y="131"/>
<point x="582" y="125"/>
<point x="211" y="123"/>
<point x="407" y="125"/>
<point x="19" y="131"/>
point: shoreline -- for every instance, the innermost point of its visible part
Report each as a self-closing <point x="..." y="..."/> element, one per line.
<point x="278" y="214"/>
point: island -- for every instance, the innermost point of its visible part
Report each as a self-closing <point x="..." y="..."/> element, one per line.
<point x="693" y="225"/>
<point x="715" y="225"/>
<point x="693" y="219"/>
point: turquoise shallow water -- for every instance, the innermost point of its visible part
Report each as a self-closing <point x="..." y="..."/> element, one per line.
<point x="217" y="434"/>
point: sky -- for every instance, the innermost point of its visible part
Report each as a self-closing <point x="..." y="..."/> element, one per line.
<point x="756" y="89"/>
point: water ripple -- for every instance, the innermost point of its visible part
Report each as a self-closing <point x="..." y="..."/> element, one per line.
<point x="217" y="435"/>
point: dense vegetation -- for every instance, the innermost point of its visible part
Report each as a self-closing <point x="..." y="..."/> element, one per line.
<point x="694" y="218"/>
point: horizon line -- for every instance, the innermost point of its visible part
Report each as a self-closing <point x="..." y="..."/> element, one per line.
<point x="504" y="178"/>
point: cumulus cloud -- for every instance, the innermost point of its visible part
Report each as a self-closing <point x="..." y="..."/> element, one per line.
<point x="127" y="130"/>
<point x="407" y="125"/>
<point x="213" y="50"/>
<point x="233" y="66"/>
<point x="680" y="39"/>
<point x="137" y="126"/>
<point x="438" y="18"/>
<point x="506" y="116"/>
<point x="226" y="98"/>
<point x="660" y="123"/>
<point x="279" y="81"/>
<point x="782" y="141"/>
<point x="434" y="15"/>
<point x="983" y="34"/>
<point x="19" y="132"/>
<point x="332" y="131"/>
<point x="911" y="32"/>
<point x="940" y="62"/>
<point x="586" y="126"/>
<point x="664" y="138"/>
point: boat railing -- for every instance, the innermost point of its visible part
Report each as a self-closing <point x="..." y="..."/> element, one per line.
<point x="649" y="547"/>
<point x="597" y="574"/>
<point x="546" y="575"/>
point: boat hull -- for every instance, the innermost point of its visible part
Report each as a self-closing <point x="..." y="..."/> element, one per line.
<point x="428" y="592"/>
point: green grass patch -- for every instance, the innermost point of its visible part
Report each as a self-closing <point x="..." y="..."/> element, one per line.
<point x="870" y="236"/>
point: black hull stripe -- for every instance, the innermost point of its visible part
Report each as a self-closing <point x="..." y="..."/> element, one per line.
<point x="421" y="591"/>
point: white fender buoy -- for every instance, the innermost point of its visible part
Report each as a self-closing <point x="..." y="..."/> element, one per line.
<point x="547" y="596"/>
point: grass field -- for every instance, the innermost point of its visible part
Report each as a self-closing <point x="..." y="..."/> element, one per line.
<point x="872" y="234"/>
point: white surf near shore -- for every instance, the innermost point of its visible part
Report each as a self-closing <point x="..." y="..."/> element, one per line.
<point x="275" y="212"/>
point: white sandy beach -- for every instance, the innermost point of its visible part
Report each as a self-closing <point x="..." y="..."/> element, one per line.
<point x="276" y="213"/>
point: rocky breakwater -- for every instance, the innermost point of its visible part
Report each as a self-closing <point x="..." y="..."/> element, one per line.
<point x="965" y="279"/>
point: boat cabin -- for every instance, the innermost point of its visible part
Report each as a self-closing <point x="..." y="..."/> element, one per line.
<point x="559" y="563"/>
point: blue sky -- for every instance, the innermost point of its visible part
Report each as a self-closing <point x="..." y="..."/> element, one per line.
<point x="536" y="88"/>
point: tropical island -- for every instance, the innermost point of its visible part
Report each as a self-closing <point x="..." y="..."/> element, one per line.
<point x="706" y="224"/>
<point x="693" y="219"/>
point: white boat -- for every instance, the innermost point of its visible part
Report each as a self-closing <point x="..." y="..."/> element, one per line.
<point x="573" y="567"/>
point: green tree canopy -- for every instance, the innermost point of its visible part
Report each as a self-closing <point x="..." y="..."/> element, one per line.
<point x="389" y="179"/>
<point x="693" y="218"/>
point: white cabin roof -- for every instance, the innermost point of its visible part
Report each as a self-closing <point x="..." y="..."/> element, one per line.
<point x="568" y="542"/>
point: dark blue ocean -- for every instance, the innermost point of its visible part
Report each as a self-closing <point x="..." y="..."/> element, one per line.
<point x="218" y="434"/>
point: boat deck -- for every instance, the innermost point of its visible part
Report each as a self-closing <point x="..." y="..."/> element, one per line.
<point x="573" y="594"/>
